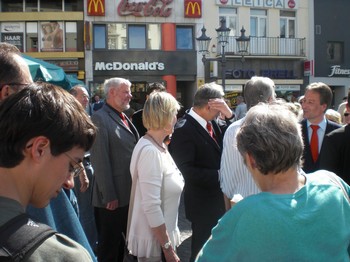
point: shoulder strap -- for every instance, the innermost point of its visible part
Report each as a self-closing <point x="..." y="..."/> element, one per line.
<point x="21" y="235"/>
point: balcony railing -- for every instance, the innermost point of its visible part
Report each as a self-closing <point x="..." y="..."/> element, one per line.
<point x="268" y="46"/>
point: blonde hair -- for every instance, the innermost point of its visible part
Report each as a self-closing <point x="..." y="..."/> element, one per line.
<point x="159" y="110"/>
<point x="333" y="115"/>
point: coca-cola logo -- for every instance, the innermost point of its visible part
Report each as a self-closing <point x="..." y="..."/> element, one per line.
<point x="224" y="2"/>
<point x="291" y="3"/>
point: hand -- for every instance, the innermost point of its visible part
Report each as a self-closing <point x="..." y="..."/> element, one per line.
<point x="220" y="105"/>
<point x="170" y="255"/>
<point x="84" y="181"/>
<point x="112" y="205"/>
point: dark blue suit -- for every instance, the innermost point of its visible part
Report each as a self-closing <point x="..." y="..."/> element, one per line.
<point x="309" y="165"/>
<point x="198" y="157"/>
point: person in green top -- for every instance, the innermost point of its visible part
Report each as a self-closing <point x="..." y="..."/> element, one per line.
<point x="297" y="216"/>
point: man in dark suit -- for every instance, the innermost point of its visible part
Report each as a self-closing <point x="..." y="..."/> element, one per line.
<point x="110" y="157"/>
<point x="317" y="99"/>
<point x="198" y="155"/>
<point x="336" y="156"/>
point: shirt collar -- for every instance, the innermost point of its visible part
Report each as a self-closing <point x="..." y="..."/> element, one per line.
<point x="322" y="124"/>
<point x="198" y="118"/>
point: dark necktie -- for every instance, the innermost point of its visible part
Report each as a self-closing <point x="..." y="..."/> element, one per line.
<point x="314" y="142"/>
<point x="122" y="116"/>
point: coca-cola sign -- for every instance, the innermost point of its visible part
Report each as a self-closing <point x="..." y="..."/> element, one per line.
<point x="155" y="8"/>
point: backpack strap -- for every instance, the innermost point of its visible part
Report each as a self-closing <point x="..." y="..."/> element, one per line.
<point x="21" y="235"/>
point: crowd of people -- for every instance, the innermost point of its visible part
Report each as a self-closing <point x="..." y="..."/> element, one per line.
<point x="268" y="182"/>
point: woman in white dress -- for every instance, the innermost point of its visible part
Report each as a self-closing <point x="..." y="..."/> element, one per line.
<point x="153" y="229"/>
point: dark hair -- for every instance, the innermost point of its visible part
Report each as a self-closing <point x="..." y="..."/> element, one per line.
<point x="155" y="86"/>
<point x="42" y="109"/>
<point x="349" y="98"/>
<point x="10" y="70"/>
<point x="206" y="92"/>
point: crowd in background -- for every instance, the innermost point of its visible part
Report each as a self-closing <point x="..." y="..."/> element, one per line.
<point x="257" y="181"/>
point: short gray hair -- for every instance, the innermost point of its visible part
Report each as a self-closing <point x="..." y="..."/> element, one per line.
<point x="271" y="134"/>
<point x="258" y="89"/>
<point x="114" y="82"/>
<point x="206" y="92"/>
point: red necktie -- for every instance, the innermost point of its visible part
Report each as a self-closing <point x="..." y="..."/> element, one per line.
<point x="210" y="129"/>
<point x="314" y="142"/>
<point x="122" y="116"/>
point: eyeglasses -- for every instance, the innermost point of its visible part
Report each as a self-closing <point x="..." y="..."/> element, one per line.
<point x="13" y="84"/>
<point x="75" y="171"/>
<point x="346" y="114"/>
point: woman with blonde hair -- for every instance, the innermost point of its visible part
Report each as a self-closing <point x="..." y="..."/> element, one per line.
<point x="157" y="185"/>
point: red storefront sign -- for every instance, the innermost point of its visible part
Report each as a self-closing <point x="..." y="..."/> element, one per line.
<point x="193" y="8"/>
<point x="96" y="7"/>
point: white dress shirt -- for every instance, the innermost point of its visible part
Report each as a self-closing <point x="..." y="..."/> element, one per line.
<point x="234" y="175"/>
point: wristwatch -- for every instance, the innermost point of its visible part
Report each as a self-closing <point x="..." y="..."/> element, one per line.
<point x="167" y="245"/>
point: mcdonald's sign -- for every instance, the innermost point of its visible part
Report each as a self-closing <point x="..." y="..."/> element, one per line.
<point x="193" y="8"/>
<point x="96" y="7"/>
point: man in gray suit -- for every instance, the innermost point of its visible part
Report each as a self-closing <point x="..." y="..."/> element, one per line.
<point x="110" y="157"/>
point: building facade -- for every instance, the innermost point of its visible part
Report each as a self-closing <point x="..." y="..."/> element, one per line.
<point x="49" y="30"/>
<point x="329" y="60"/>
<point x="144" y="41"/>
<point x="278" y="44"/>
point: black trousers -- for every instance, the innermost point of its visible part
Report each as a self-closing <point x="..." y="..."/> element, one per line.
<point x="201" y="231"/>
<point x="110" y="226"/>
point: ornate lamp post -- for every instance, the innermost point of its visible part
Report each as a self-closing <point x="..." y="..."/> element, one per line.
<point x="222" y="37"/>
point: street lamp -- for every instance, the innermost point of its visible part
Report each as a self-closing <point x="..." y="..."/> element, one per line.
<point x="223" y="35"/>
<point x="242" y="44"/>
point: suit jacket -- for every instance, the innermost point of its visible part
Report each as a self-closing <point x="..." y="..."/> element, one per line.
<point x="110" y="157"/>
<point x="198" y="157"/>
<point x="336" y="156"/>
<point x="309" y="165"/>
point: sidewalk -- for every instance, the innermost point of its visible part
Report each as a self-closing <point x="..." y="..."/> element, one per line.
<point x="184" y="250"/>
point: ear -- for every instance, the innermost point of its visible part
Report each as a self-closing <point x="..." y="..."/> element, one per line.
<point x="39" y="147"/>
<point x="4" y="92"/>
<point x="250" y="161"/>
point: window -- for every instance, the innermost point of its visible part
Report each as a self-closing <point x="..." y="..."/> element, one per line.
<point x="258" y="23"/>
<point x="71" y="5"/>
<point x="32" y="37"/>
<point x="184" y="38"/>
<point x="122" y="36"/>
<point x="137" y="36"/>
<point x="154" y="34"/>
<point x="99" y="36"/>
<point x="71" y="36"/>
<point x="230" y="14"/>
<point x="50" y="6"/>
<point x="335" y="52"/>
<point x="31" y="5"/>
<point x="287" y="24"/>
<point x="12" y="5"/>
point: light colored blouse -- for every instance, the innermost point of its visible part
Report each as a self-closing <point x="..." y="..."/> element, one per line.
<point x="157" y="197"/>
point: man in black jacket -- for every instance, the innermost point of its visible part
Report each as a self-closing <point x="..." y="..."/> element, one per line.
<point x="318" y="98"/>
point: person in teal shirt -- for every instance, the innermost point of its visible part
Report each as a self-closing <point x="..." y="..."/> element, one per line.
<point x="297" y="216"/>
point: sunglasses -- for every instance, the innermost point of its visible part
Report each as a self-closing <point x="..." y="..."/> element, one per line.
<point x="346" y="114"/>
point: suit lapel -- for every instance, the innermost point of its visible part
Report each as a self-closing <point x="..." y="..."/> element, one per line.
<point x="204" y="134"/>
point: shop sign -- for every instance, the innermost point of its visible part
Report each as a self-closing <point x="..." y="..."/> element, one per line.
<point x="153" y="8"/>
<point x="193" y="8"/>
<point x="340" y="72"/>
<point x="277" y="4"/>
<point x="14" y="39"/>
<point x="275" y="73"/>
<point x="117" y="66"/>
<point x="96" y="7"/>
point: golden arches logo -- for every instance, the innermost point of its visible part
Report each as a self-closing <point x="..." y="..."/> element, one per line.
<point x="195" y="9"/>
<point x="96" y="7"/>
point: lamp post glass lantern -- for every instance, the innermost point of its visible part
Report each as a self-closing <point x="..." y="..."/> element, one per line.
<point x="223" y="39"/>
